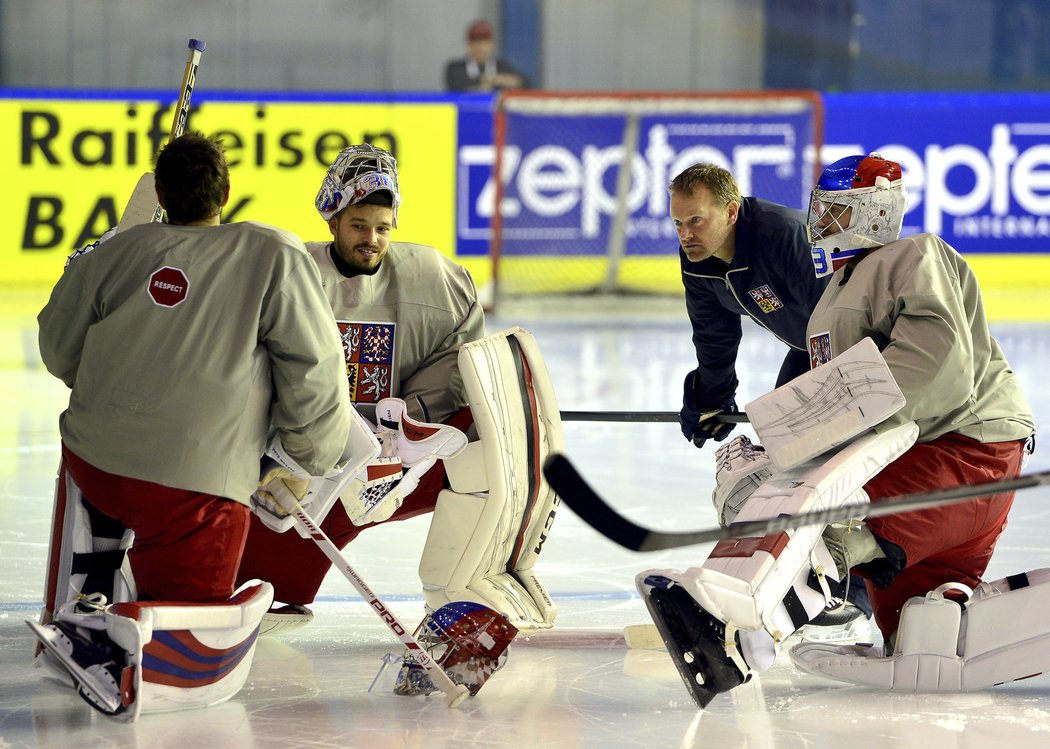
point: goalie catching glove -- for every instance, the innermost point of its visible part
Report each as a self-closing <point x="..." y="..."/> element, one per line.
<point x="381" y="486"/>
<point x="382" y="464"/>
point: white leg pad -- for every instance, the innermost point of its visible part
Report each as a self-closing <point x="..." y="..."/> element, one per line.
<point x="84" y="560"/>
<point x="999" y="635"/>
<point x="762" y="588"/>
<point x="488" y="530"/>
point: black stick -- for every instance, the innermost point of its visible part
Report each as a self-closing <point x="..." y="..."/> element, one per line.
<point x="644" y="416"/>
<point x="597" y="513"/>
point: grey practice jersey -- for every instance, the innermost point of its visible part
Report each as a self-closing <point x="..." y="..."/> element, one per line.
<point x="921" y="304"/>
<point x="402" y="328"/>
<point x="183" y="345"/>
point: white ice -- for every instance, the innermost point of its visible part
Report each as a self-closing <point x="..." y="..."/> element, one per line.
<point x="578" y="686"/>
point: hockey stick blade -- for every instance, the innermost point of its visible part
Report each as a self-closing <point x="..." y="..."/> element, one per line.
<point x="455" y="693"/>
<point x="575" y="492"/>
<point x="645" y="416"/>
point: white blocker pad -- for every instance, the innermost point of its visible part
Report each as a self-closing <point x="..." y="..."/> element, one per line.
<point x="177" y="656"/>
<point x="362" y="448"/>
<point x="88" y="551"/>
<point x="765" y="588"/>
<point x="1000" y="634"/>
<point x="489" y="528"/>
<point x="825" y="407"/>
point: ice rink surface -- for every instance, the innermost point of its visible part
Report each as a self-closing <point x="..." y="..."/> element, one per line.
<point x="577" y="686"/>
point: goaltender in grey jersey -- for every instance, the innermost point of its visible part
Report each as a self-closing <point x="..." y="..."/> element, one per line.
<point x="402" y="327"/>
<point x="177" y="295"/>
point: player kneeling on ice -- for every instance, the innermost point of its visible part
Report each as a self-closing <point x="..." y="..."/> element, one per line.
<point x="909" y="394"/>
<point x="161" y="441"/>
<point x="413" y="336"/>
<point x="487" y="529"/>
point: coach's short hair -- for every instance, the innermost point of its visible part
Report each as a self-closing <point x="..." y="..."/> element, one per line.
<point x="716" y="179"/>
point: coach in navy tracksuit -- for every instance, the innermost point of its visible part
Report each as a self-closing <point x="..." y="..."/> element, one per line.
<point x="740" y="256"/>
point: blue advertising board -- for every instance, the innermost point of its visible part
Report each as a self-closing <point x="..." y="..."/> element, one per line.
<point x="560" y="174"/>
<point x="977" y="170"/>
<point x="976" y="166"/>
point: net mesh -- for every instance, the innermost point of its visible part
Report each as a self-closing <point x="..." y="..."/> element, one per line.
<point x="581" y="194"/>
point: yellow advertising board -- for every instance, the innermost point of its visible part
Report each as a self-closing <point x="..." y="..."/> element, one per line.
<point x="71" y="164"/>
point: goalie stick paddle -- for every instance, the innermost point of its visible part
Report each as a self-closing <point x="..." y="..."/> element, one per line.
<point x="731" y="417"/>
<point x="454" y="693"/>
<point x="575" y="492"/>
<point x="142" y="207"/>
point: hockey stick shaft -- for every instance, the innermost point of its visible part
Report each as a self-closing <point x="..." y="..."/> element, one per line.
<point x="575" y="492"/>
<point x="142" y="206"/>
<point x="645" y="416"/>
<point x="454" y="693"/>
<point x="182" y="107"/>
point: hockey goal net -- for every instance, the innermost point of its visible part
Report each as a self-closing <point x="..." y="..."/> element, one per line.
<point x="575" y="215"/>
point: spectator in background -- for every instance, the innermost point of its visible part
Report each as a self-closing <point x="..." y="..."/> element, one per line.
<point x="480" y="69"/>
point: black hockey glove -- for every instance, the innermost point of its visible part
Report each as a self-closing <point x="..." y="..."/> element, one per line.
<point x="699" y="423"/>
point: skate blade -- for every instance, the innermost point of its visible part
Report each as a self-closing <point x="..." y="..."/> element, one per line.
<point x="84" y="680"/>
<point x="858" y="630"/>
<point x="705" y="669"/>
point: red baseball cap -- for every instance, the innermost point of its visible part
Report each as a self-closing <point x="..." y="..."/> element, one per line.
<point x="480" y="29"/>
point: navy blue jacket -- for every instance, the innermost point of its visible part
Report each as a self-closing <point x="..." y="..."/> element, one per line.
<point x="771" y="278"/>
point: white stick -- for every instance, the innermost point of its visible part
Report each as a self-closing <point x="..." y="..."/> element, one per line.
<point x="454" y="693"/>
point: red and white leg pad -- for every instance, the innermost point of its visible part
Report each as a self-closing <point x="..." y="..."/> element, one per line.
<point x="764" y="588"/>
<point x="88" y="551"/>
<point x="149" y="656"/>
<point x="997" y="635"/>
<point x="488" y="529"/>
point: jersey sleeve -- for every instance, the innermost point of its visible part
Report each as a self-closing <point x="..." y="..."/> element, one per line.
<point x="933" y="370"/>
<point x="310" y="410"/>
<point x="435" y="390"/>
<point x="64" y="323"/>
<point x="716" y="338"/>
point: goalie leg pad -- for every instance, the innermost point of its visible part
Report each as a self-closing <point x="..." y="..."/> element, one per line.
<point x="764" y="589"/>
<point x="88" y="551"/>
<point x="997" y="636"/>
<point x="486" y="534"/>
<point x="134" y="657"/>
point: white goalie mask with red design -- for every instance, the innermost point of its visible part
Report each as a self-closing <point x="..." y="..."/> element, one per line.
<point x="356" y="173"/>
<point x="858" y="203"/>
<point x="467" y="640"/>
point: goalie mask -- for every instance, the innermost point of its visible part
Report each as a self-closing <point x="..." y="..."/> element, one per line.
<point x="858" y="203"/>
<point x="467" y="640"/>
<point x="355" y="174"/>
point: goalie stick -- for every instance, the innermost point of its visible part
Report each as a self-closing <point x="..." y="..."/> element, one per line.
<point x="454" y="693"/>
<point x="575" y="492"/>
<point x="731" y="417"/>
<point x="142" y="206"/>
